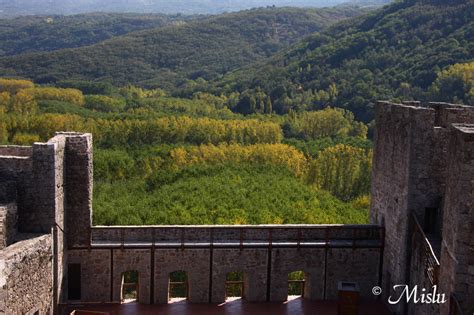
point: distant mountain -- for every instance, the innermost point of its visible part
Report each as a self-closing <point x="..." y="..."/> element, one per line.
<point x="168" y="56"/>
<point x="43" y="7"/>
<point x="46" y="33"/>
<point x="392" y="53"/>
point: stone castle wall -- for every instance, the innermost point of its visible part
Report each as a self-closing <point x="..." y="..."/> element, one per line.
<point x="413" y="173"/>
<point x="207" y="270"/>
<point x="25" y="277"/>
<point x="16" y="150"/>
<point x="78" y="181"/>
<point x="15" y="184"/>
<point x="36" y="179"/>
<point x="457" y="250"/>
<point x="8" y="224"/>
<point x="218" y="233"/>
<point x="390" y="189"/>
<point x="266" y="254"/>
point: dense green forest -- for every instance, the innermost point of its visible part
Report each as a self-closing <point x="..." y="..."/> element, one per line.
<point x="393" y="53"/>
<point x="47" y="33"/>
<point x="159" y="160"/>
<point x="179" y="56"/>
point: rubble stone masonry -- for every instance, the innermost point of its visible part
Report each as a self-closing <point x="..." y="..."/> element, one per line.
<point x="25" y="277"/>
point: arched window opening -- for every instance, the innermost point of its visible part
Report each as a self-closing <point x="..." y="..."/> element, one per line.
<point x="296" y="284"/>
<point x="129" y="293"/>
<point x="178" y="287"/>
<point x="234" y="286"/>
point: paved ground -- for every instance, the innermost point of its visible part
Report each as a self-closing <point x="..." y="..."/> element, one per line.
<point x="294" y="307"/>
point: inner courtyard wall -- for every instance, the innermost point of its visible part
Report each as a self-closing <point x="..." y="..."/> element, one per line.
<point x="207" y="268"/>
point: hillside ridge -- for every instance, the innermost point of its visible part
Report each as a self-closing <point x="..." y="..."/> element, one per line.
<point x="169" y="56"/>
<point x="395" y="52"/>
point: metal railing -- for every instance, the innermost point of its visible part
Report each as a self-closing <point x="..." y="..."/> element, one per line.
<point x="291" y="236"/>
<point x="430" y="261"/>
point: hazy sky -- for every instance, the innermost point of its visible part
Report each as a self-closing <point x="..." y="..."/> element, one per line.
<point x="23" y="7"/>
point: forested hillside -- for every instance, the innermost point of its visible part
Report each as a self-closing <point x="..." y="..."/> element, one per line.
<point x="393" y="53"/>
<point x="46" y="33"/>
<point x="175" y="55"/>
<point x="398" y="52"/>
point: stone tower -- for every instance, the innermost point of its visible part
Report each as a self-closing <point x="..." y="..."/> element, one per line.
<point x="422" y="194"/>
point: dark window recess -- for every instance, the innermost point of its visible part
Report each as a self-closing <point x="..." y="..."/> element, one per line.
<point x="431" y="220"/>
<point x="74" y="281"/>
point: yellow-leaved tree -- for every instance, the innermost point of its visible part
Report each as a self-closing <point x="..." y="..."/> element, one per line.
<point x="12" y="86"/>
<point x="23" y="103"/>
<point x="4" y="102"/>
<point x="267" y="154"/>
<point x="56" y="94"/>
<point x="342" y="170"/>
<point x="329" y="122"/>
<point x="455" y="84"/>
